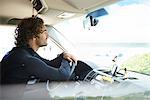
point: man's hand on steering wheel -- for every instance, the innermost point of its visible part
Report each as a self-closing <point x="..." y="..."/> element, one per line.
<point x="69" y="57"/>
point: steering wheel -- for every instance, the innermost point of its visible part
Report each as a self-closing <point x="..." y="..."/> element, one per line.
<point x="73" y="65"/>
<point x="90" y="76"/>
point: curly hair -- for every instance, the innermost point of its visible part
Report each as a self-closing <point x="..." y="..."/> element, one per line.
<point x="27" y="29"/>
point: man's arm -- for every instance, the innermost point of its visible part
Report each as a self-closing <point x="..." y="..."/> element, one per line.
<point x="57" y="61"/>
<point x="54" y="63"/>
<point x="43" y="71"/>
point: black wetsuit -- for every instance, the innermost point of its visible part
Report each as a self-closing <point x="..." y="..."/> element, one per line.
<point x="22" y="64"/>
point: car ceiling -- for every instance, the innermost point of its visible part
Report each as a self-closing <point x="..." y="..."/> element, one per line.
<point x="23" y="8"/>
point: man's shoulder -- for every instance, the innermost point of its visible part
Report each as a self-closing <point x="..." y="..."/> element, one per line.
<point x="17" y="52"/>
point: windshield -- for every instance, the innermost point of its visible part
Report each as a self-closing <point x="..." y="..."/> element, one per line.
<point x="124" y="33"/>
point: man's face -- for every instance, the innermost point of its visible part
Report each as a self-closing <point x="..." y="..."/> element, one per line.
<point x="41" y="39"/>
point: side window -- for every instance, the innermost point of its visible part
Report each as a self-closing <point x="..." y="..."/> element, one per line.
<point x="6" y="39"/>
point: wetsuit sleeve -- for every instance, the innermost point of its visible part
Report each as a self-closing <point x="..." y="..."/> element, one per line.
<point x="55" y="62"/>
<point x="43" y="71"/>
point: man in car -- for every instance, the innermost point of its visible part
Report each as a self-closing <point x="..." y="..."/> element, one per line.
<point x="22" y="63"/>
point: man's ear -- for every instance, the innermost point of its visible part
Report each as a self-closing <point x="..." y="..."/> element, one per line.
<point x="34" y="37"/>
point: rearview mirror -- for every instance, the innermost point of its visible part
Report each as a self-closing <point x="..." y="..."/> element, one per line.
<point x="91" y="18"/>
